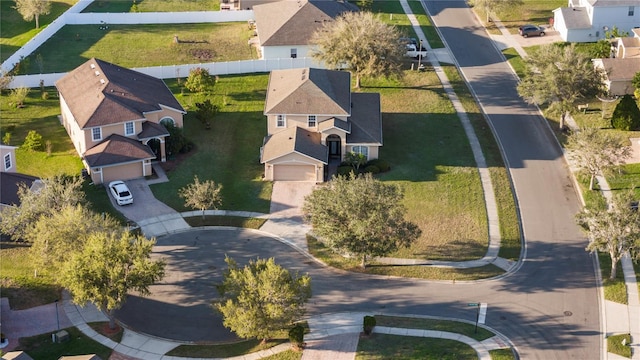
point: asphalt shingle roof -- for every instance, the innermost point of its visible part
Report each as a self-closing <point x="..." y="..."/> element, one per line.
<point x="366" y="119"/>
<point x="117" y="149"/>
<point x="308" y="91"/>
<point x="9" y="185"/>
<point x="576" y="18"/>
<point x="621" y="69"/>
<point x="99" y="93"/>
<point x="294" y="140"/>
<point x="293" y="22"/>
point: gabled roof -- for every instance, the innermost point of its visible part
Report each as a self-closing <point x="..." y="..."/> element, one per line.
<point x="575" y="17"/>
<point x="621" y="69"/>
<point x="334" y="123"/>
<point x="308" y="91"/>
<point x="293" y="22"/>
<point x="99" y="93"/>
<point x="9" y="185"/>
<point x="294" y="140"/>
<point x="152" y="130"/>
<point x="117" y="149"/>
<point x="366" y="119"/>
<point x="602" y="3"/>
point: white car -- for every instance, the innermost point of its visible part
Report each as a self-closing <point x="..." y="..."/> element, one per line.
<point x="121" y="192"/>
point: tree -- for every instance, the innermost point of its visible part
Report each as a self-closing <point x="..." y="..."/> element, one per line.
<point x="559" y="76"/>
<point x="616" y="230"/>
<point x="49" y="197"/>
<point x="53" y="237"/>
<point x="199" y="80"/>
<point x="594" y="150"/>
<point x="32" y="142"/>
<point x="361" y="216"/>
<point x="361" y="42"/>
<point x="355" y="160"/>
<point x="615" y="33"/>
<point x="201" y="195"/>
<point x="18" y="96"/>
<point x="492" y="6"/>
<point x="30" y="9"/>
<point x="626" y="115"/>
<point x="262" y="298"/>
<point x="107" y="267"/>
<point x="205" y="112"/>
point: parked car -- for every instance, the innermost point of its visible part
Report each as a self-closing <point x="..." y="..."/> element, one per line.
<point x="531" y="30"/>
<point x="121" y="192"/>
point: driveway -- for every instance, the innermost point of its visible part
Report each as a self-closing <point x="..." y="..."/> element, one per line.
<point x="144" y="206"/>
<point x="287" y="198"/>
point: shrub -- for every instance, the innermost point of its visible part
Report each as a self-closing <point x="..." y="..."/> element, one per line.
<point x="371" y="169"/>
<point x="356" y="160"/>
<point x="345" y="170"/>
<point x="176" y="143"/>
<point x="33" y="142"/>
<point x="18" y="96"/>
<point x="368" y="324"/>
<point x="626" y="115"/>
<point x="382" y="165"/>
<point x="199" y="80"/>
<point x="296" y="336"/>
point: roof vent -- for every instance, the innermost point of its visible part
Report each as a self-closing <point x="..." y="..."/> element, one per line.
<point x="290" y="138"/>
<point x="97" y="73"/>
<point x="102" y="81"/>
<point x="93" y="66"/>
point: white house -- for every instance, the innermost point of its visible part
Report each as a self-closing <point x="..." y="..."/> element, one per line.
<point x="589" y="20"/>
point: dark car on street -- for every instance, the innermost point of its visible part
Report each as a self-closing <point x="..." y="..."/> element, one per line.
<point x="531" y="30"/>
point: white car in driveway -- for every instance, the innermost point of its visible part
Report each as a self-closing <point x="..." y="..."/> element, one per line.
<point x="121" y="192"/>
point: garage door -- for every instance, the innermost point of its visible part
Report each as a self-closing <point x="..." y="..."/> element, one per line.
<point x="294" y="172"/>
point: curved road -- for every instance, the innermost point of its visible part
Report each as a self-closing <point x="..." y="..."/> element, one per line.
<point x="549" y="308"/>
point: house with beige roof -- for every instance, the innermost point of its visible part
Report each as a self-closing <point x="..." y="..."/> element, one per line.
<point x="624" y="63"/>
<point x="115" y="119"/>
<point x="285" y="27"/>
<point x="313" y="119"/>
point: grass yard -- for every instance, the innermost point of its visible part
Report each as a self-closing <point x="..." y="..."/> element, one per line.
<point x="502" y="354"/>
<point x="613" y="290"/>
<point x="226" y="350"/>
<point x="392" y="13"/>
<point x="16" y="31"/>
<point x="457" y="327"/>
<point x="154" y="46"/>
<point x="614" y="345"/>
<point x="228" y="152"/>
<point x="535" y="12"/>
<point x="123" y="6"/>
<point x="40" y="347"/>
<point x="382" y="346"/>
<point x="432" y="161"/>
<point x="17" y="281"/>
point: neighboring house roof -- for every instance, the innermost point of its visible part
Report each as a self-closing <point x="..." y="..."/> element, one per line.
<point x="152" y="130"/>
<point x="81" y="357"/>
<point x="630" y="41"/>
<point x="9" y="185"/>
<point x="292" y="22"/>
<point x="575" y="17"/>
<point x="603" y="3"/>
<point x="620" y="69"/>
<point x="366" y="119"/>
<point x="16" y="355"/>
<point x="99" y="93"/>
<point x="117" y="149"/>
<point x="294" y="140"/>
<point x="308" y="91"/>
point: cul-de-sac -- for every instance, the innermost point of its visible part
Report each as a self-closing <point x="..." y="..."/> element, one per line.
<point x="319" y="179"/>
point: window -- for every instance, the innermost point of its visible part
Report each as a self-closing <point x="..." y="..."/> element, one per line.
<point x="361" y="150"/>
<point x="294" y="53"/>
<point x="311" y="121"/>
<point x="96" y="134"/>
<point x="168" y="121"/>
<point x="129" y="128"/>
<point x="7" y="162"/>
<point x="631" y="10"/>
<point x="280" y="121"/>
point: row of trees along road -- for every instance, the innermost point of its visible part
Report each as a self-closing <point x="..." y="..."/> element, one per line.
<point x="91" y="255"/>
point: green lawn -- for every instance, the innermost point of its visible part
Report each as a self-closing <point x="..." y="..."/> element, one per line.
<point x="613" y="290"/>
<point x="381" y="346"/>
<point x="228" y="152"/>
<point x="466" y="329"/>
<point x="16" y="31"/>
<point x="225" y="350"/>
<point x="40" y="347"/>
<point x="529" y="12"/>
<point x="614" y="345"/>
<point x="123" y="6"/>
<point x="502" y="354"/>
<point x="154" y="46"/>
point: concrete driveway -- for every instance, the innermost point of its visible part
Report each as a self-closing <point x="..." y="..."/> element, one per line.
<point x="144" y="206"/>
<point x="287" y="198"/>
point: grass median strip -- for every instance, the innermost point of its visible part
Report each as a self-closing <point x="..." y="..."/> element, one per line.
<point x="382" y="346"/>
<point x="234" y="221"/>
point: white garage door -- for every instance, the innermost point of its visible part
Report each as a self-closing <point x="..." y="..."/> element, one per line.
<point x="294" y="173"/>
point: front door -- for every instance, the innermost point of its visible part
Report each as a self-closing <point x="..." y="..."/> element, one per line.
<point x="335" y="148"/>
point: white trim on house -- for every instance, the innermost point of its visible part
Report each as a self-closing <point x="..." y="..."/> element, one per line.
<point x="126" y="128"/>
<point x="7" y="158"/>
<point x="279" y="118"/>
<point x="93" y="134"/>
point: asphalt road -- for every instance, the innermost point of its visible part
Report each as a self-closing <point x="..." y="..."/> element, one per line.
<point x="555" y="290"/>
<point x="549" y="308"/>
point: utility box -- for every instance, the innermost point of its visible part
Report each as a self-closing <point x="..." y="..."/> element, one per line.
<point x="61" y="336"/>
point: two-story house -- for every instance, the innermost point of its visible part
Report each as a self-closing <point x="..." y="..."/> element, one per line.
<point x="623" y="64"/>
<point x="115" y="119"/>
<point x="589" y="20"/>
<point x="285" y="27"/>
<point x="314" y="118"/>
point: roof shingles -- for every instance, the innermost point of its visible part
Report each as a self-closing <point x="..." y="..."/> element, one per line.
<point x="117" y="149"/>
